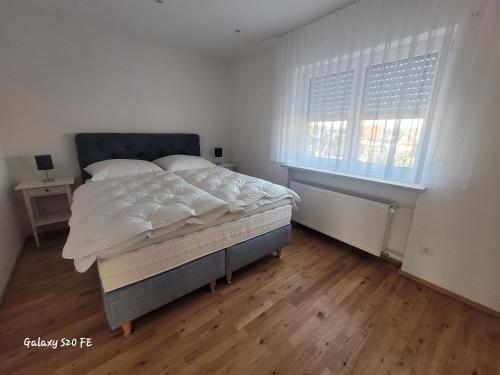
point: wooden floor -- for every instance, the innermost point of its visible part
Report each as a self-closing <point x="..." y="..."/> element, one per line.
<point x="324" y="308"/>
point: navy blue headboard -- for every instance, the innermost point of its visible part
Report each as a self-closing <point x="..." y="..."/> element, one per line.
<point x="94" y="147"/>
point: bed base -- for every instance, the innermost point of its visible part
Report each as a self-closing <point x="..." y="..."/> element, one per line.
<point x="229" y="274"/>
<point x="244" y="253"/>
<point x="125" y="304"/>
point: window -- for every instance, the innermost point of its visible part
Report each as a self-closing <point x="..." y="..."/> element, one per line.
<point x="329" y="104"/>
<point x="378" y="90"/>
<point x="383" y="137"/>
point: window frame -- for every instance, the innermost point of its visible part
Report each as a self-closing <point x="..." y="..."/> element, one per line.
<point x="349" y="162"/>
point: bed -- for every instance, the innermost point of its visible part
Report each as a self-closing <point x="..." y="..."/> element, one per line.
<point x="150" y="272"/>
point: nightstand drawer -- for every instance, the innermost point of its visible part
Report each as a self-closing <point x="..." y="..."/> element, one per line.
<point x="47" y="191"/>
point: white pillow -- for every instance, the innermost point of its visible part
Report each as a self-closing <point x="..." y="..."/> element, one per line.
<point x="115" y="168"/>
<point x="175" y="163"/>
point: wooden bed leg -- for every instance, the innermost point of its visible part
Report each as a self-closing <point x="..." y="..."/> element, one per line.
<point x="229" y="277"/>
<point x="278" y="253"/>
<point x="127" y="329"/>
<point x="213" y="285"/>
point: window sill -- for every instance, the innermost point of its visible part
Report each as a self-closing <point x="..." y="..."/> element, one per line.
<point x="402" y="185"/>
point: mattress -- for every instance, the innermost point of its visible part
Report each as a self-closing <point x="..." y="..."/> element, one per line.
<point x="122" y="269"/>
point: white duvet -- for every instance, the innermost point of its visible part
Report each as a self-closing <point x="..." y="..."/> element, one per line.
<point x="240" y="191"/>
<point x="108" y="213"/>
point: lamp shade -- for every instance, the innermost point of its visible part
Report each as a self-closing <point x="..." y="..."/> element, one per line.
<point x="218" y="152"/>
<point x="44" y="162"/>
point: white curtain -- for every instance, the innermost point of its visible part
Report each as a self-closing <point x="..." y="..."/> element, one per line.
<point x="378" y="88"/>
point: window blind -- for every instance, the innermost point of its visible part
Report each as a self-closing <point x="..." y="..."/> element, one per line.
<point x="399" y="89"/>
<point x="330" y="96"/>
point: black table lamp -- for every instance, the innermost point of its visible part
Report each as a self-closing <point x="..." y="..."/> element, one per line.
<point x="218" y="154"/>
<point x="44" y="163"/>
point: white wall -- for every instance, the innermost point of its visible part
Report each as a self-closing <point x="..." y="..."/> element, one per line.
<point x="251" y="84"/>
<point x="464" y="228"/>
<point x="11" y="233"/>
<point x="59" y="78"/>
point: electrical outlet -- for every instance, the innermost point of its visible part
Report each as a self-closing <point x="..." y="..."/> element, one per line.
<point x="426" y="250"/>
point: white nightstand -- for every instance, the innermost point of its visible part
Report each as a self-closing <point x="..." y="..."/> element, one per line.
<point x="229" y="166"/>
<point x="37" y="188"/>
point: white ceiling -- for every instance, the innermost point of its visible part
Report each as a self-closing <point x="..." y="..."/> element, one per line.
<point x="202" y="26"/>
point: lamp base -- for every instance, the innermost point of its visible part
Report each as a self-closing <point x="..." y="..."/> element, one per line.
<point x="47" y="178"/>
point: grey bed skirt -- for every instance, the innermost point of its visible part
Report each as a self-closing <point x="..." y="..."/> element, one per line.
<point x="132" y="301"/>
<point x="247" y="252"/>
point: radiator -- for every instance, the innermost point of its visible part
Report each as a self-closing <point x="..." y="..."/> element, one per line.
<point x="357" y="221"/>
